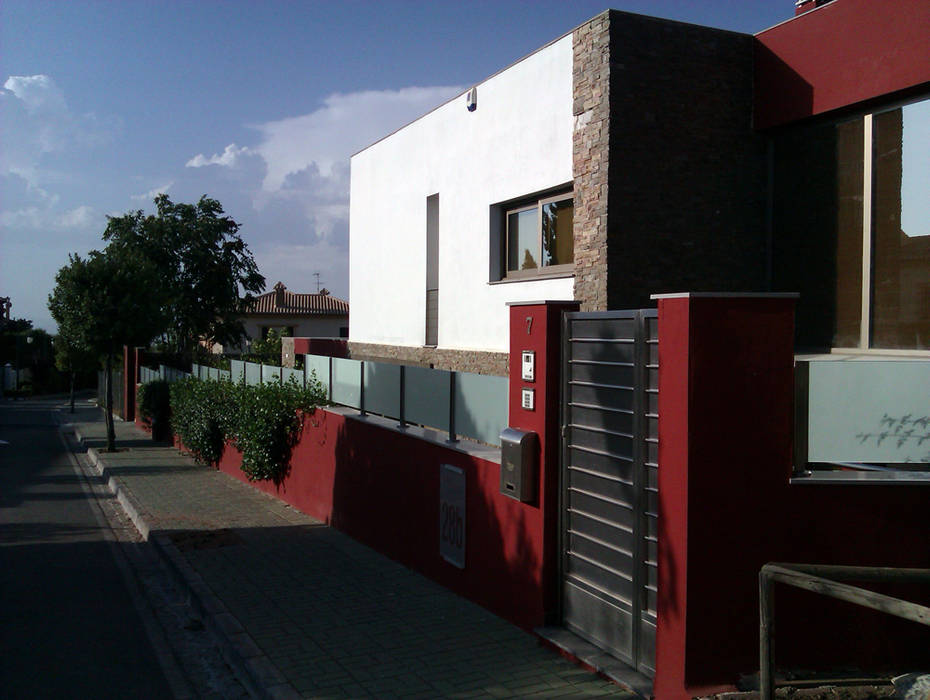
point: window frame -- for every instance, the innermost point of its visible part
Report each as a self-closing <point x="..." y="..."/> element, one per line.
<point x="541" y="271"/>
<point x="868" y="236"/>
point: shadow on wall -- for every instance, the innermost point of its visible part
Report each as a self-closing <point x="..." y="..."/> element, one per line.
<point x="385" y="493"/>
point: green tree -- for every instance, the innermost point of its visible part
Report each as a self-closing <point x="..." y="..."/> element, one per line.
<point x="204" y="263"/>
<point x="105" y="301"/>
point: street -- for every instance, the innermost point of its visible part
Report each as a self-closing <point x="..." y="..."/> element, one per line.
<point x="69" y="626"/>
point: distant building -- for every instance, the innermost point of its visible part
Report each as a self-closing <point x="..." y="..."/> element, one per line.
<point x="319" y="315"/>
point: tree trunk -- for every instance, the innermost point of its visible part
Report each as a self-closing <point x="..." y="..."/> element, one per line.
<point x="72" y="391"/>
<point x="111" y="430"/>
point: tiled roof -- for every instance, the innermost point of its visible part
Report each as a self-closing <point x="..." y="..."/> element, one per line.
<point x="298" y="304"/>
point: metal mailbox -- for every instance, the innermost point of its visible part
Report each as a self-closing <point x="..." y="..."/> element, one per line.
<point x="518" y="464"/>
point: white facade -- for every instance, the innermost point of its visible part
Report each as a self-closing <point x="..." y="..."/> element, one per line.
<point x="516" y="143"/>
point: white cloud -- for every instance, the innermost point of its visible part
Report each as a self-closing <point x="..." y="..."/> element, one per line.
<point x="152" y="193"/>
<point x="38" y="93"/>
<point x="38" y="122"/>
<point x="229" y="158"/>
<point x="40" y="219"/>
<point x="344" y="124"/>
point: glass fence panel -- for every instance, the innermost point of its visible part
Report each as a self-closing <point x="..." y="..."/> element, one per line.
<point x="870" y="411"/>
<point x="481" y="406"/>
<point x="237" y="371"/>
<point x="318" y="365"/>
<point x="223" y="375"/>
<point x="347" y="382"/>
<point x="253" y="373"/>
<point x="382" y="389"/>
<point x="426" y="396"/>
<point x="271" y="374"/>
<point x="288" y="373"/>
<point x="213" y="373"/>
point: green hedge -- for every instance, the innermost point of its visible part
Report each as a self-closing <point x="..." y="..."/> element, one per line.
<point x="263" y="421"/>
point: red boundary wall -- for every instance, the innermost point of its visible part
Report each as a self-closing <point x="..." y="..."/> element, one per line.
<point x="726" y="508"/>
<point x="843" y="53"/>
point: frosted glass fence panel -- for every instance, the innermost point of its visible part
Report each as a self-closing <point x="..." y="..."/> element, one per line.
<point x="382" y="389"/>
<point x="172" y="375"/>
<point x="223" y="375"/>
<point x="868" y="411"/>
<point x="271" y="374"/>
<point x="426" y="396"/>
<point x="253" y="373"/>
<point x="148" y="375"/>
<point x="288" y="373"/>
<point x="319" y="365"/>
<point x="481" y="406"/>
<point x="237" y="371"/>
<point x="347" y="382"/>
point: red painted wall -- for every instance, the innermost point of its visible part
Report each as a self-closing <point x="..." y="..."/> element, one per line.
<point x="726" y="508"/>
<point x="843" y="53"/>
<point x="331" y="347"/>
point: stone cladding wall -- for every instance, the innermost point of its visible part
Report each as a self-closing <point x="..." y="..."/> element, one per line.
<point x="590" y="142"/>
<point x="475" y="361"/>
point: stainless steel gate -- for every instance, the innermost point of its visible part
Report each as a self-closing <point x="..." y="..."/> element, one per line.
<point x="609" y="481"/>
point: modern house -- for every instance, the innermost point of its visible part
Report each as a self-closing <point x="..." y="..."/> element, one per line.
<point x="700" y="258"/>
<point x="295" y="315"/>
<point x="634" y="156"/>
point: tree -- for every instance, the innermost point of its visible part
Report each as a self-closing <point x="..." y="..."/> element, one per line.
<point x="71" y="357"/>
<point x="203" y="263"/>
<point x="104" y="301"/>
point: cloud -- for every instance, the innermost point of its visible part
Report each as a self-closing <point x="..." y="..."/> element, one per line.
<point x="229" y="158"/>
<point x="39" y="219"/>
<point x="38" y="93"/>
<point x="344" y="124"/>
<point x="37" y="121"/>
<point x="152" y="193"/>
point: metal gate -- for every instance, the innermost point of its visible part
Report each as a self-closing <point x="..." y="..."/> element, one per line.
<point x="609" y="481"/>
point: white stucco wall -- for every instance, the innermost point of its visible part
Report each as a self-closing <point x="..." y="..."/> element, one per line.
<point x="517" y="142"/>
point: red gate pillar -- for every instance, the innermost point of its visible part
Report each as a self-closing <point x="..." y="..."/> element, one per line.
<point x="726" y="392"/>
<point x="536" y="327"/>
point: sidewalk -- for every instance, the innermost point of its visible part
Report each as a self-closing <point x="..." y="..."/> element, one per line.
<point x="308" y="612"/>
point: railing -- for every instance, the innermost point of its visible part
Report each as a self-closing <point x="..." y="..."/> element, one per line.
<point x="459" y="403"/>
<point x="826" y="580"/>
<point x="853" y="412"/>
<point x="170" y="374"/>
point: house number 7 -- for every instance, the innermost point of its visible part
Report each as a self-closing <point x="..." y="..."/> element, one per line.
<point x="529" y="324"/>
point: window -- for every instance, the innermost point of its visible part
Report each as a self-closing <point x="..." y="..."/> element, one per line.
<point x="538" y="237"/>
<point x="851" y="220"/>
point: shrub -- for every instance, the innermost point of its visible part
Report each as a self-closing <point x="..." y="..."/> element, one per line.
<point x="154" y="400"/>
<point x="200" y="412"/>
<point x="267" y="425"/>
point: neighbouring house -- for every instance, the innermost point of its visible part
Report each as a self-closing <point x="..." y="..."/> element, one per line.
<point x="631" y="159"/>
<point x="295" y="315"/>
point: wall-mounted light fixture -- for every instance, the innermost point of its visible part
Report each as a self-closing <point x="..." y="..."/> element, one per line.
<point x="471" y="99"/>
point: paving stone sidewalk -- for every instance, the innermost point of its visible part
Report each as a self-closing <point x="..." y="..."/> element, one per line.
<point x="305" y="610"/>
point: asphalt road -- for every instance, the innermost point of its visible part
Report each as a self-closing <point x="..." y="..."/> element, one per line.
<point x="69" y="626"/>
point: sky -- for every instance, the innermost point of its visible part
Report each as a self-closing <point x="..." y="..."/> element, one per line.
<point x="259" y="105"/>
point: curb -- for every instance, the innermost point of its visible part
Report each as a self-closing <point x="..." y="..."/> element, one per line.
<point x="255" y="670"/>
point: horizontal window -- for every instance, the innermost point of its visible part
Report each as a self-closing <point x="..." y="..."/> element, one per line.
<point x="537" y="238"/>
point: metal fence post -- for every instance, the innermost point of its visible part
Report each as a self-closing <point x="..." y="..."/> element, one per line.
<point x="403" y="381"/>
<point x="452" y="437"/>
<point x="361" y="388"/>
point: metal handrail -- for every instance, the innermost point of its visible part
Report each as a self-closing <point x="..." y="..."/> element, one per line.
<point x="827" y="580"/>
